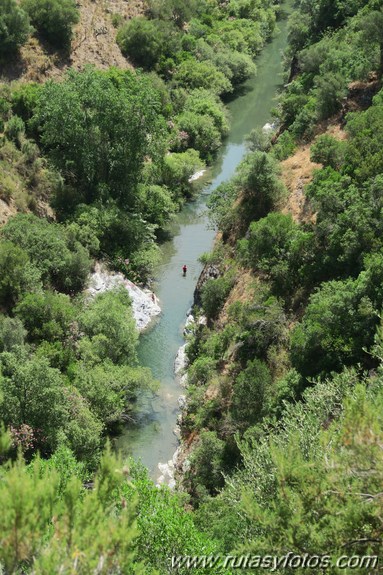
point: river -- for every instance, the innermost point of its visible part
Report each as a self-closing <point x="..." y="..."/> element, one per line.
<point x="151" y="439"/>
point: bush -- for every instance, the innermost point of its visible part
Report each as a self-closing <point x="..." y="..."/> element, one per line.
<point x="338" y="325"/>
<point x="14" y="27"/>
<point x="328" y="151"/>
<point x="24" y="99"/>
<point x="64" y="266"/>
<point x="147" y="41"/>
<point x="47" y="316"/>
<point x="214" y="293"/>
<point x="18" y="275"/>
<point x="193" y="74"/>
<point x="15" y="130"/>
<point x="251" y="394"/>
<point x="53" y="19"/>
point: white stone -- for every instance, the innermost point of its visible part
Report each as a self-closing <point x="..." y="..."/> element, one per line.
<point x="267" y="128"/>
<point x="181" y="360"/>
<point x="144" y="303"/>
<point x="196" y="176"/>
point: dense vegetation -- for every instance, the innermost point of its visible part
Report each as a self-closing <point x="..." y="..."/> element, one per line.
<point x="284" y="381"/>
<point x="285" y="385"/>
<point x="93" y="166"/>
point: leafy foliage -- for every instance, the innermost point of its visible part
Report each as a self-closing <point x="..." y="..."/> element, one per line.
<point x="96" y="127"/>
<point x="53" y="19"/>
<point x="14" y="27"/>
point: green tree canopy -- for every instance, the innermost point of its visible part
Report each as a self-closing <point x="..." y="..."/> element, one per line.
<point x="14" y="27"/>
<point x="53" y="19"/>
<point x="98" y="128"/>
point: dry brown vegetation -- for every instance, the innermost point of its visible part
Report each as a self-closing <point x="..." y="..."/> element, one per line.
<point x="94" y="42"/>
<point x="297" y="172"/>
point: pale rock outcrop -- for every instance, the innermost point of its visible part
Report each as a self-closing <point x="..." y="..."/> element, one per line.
<point x="145" y="305"/>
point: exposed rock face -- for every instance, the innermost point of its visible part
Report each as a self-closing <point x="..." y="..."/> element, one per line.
<point x="145" y="304"/>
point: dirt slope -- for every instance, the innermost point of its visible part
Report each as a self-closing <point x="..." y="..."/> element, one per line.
<point x="94" y="42"/>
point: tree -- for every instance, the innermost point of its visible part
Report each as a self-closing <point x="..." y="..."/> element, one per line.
<point x="214" y="294"/>
<point x="14" y="27"/>
<point x="146" y="42"/>
<point x="47" y="316"/>
<point x="177" y="170"/>
<point x="33" y="394"/>
<point x="193" y="74"/>
<point x="98" y="128"/>
<point x="19" y="276"/>
<point x="142" y="41"/>
<point x="156" y="204"/>
<point x="53" y="19"/>
<point x="207" y="463"/>
<point x="61" y="263"/>
<point x="110" y="330"/>
<point x="277" y="246"/>
<point x="202" y="134"/>
<point x="83" y="429"/>
<point x="92" y="530"/>
<point x="261" y="187"/>
<point x="251" y="392"/>
<point x="338" y="325"/>
<point x="365" y="161"/>
<point x="372" y="25"/>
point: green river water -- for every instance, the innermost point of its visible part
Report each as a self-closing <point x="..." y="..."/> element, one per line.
<point x="151" y="439"/>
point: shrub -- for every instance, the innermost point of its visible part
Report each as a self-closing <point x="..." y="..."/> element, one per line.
<point x="251" y="393"/>
<point x="47" y="316"/>
<point x="14" y="27"/>
<point x="15" y="130"/>
<point x="147" y="41"/>
<point x="214" y="293"/>
<point x="18" y="275"/>
<point x="64" y="266"/>
<point x="53" y="19"/>
<point x="285" y="146"/>
<point x="193" y="74"/>
<point x="328" y="151"/>
<point x="201" y="131"/>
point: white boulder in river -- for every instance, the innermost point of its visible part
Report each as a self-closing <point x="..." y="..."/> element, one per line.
<point x="144" y="303"/>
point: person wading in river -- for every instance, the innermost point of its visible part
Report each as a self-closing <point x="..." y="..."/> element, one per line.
<point x="184" y="269"/>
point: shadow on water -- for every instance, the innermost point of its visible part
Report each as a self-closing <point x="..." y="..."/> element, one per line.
<point x="152" y="437"/>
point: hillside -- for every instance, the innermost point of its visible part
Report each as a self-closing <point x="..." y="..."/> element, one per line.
<point x="93" y="42"/>
<point x="285" y="367"/>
